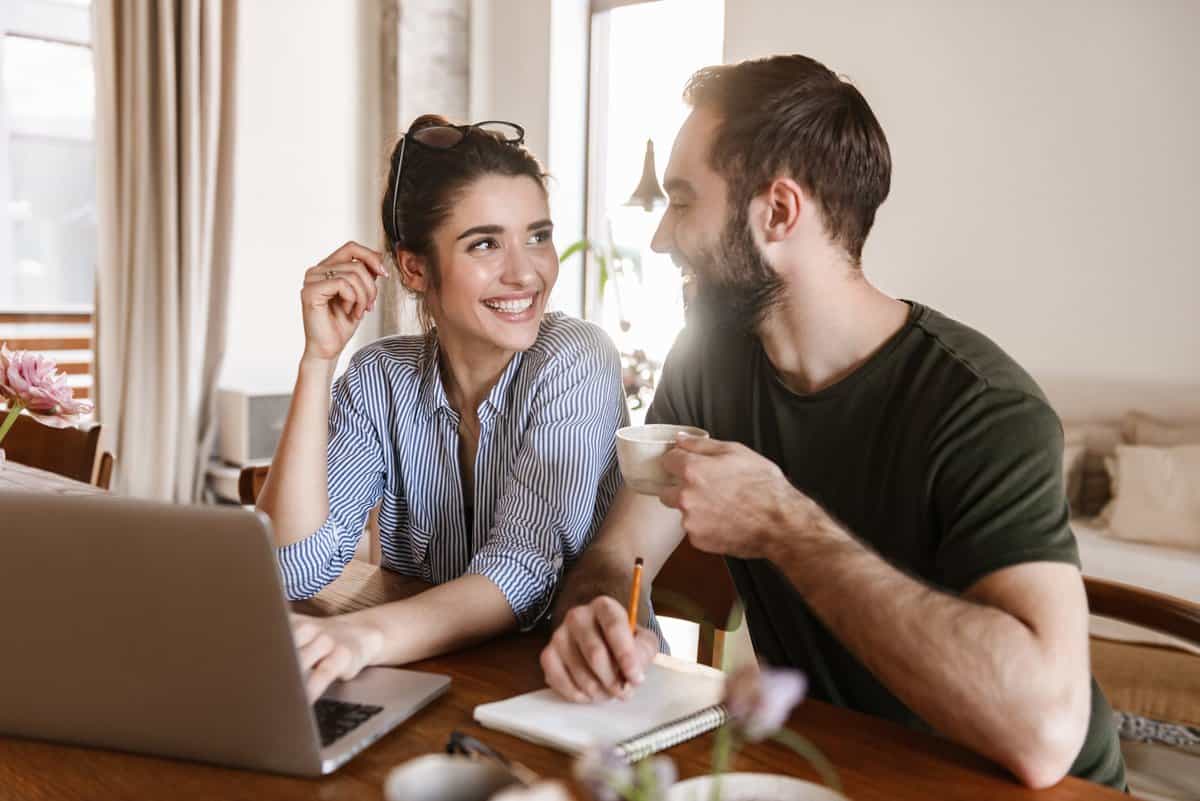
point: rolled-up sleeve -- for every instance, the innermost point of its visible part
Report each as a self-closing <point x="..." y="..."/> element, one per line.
<point x="563" y="481"/>
<point x="355" y="479"/>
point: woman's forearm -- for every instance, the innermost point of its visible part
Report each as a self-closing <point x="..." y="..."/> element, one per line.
<point x="296" y="495"/>
<point x="450" y="616"/>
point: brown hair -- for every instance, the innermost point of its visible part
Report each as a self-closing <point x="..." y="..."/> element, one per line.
<point x="791" y="115"/>
<point x="432" y="180"/>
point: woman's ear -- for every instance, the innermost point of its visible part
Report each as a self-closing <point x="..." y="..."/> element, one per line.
<point x="413" y="271"/>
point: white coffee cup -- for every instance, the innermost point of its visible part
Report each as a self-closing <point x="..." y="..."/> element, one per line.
<point x="441" y="777"/>
<point x="640" y="450"/>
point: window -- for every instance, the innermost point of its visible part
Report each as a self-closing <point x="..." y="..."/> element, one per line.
<point x="48" y="181"/>
<point x="642" y="56"/>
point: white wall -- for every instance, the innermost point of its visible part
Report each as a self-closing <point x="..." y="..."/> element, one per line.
<point x="529" y="65"/>
<point x="1046" y="184"/>
<point x="306" y="177"/>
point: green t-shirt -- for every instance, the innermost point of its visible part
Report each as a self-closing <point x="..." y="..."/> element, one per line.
<point x="939" y="452"/>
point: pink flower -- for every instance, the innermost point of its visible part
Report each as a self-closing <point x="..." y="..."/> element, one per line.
<point x="33" y="382"/>
<point x="760" y="700"/>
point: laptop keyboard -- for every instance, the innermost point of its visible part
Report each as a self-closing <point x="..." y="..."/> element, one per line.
<point x="336" y="718"/>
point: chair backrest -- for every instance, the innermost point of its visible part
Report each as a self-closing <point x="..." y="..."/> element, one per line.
<point x="250" y="483"/>
<point x="105" y="470"/>
<point x="1165" y="614"/>
<point x="696" y="586"/>
<point x="69" y="452"/>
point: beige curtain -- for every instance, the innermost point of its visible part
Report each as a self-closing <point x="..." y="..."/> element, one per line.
<point x="164" y="147"/>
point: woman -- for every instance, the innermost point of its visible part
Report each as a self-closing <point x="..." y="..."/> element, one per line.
<point x="488" y="441"/>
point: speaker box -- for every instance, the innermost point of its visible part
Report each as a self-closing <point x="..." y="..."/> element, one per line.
<point x="249" y="424"/>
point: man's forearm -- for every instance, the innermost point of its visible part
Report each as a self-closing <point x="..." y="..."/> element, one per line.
<point x="974" y="672"/>
<point x="600" y="571"/>
<point x="636" y="526"/>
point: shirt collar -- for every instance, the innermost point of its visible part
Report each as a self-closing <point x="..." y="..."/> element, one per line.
<point x="432" y="394"/>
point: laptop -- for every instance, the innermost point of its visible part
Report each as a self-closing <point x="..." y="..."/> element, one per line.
<point x="163" y="629"/>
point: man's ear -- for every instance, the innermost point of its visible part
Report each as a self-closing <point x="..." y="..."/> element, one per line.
<point x="777" y="209"/>
<point x="414" y="273"/>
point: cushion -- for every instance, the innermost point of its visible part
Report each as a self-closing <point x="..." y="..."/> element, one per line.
<point x="1098" y="441"/>
<point x="1139" y="428"/>
<point x="1072" y="472"/>
<point x="1156" y="495"/>
<point x="1158" y="683"/>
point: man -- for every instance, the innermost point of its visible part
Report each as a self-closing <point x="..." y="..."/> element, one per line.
<point x="885" y="483"/>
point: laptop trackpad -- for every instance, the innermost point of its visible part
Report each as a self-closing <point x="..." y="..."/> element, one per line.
<point x="371" y="705"/>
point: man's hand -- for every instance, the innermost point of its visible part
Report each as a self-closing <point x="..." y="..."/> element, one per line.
<point x="734" y="501"/>
<point x="593" y="655"/>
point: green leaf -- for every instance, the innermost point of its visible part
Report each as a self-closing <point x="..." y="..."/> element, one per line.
<point x="603" y="262"/>
<point x="573" y="248"/>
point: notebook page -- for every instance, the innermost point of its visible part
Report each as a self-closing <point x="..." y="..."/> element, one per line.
<point x="673" y="689"/>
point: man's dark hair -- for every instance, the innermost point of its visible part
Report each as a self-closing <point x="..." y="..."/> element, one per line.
<point x="790" y="115"/>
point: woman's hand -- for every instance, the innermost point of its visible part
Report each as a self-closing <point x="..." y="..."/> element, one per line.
<point x="333" y="648"/>
<point x="336" y="295"/>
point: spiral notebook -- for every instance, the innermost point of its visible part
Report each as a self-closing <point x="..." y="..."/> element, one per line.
<point x="678" y="701"/>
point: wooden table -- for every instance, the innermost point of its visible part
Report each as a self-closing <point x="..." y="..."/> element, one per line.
<point x="877" y="760"/>
<point x="22" y="478"/>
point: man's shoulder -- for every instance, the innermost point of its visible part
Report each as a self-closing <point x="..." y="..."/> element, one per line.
<point x="710" y="352"/>
<point x="978" y="394"/>
<point x="982" y="364"/>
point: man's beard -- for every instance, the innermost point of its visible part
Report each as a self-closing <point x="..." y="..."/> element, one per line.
<point x="735" y="287"/>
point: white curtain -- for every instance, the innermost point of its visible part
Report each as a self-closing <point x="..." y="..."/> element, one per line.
<point x="164" y="148"/>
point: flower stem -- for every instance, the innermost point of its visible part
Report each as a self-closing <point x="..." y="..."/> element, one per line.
<point x="10" y="419"/>
<point x="805" y="748"/>
<point x="722" y="754"/>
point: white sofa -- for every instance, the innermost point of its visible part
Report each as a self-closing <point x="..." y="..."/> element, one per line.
<point x="1143" y="673"/>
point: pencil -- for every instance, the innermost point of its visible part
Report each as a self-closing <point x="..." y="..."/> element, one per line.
<point x="634" y="591"/>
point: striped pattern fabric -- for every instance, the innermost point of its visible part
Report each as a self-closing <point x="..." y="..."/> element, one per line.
<point x="545" y="471"/>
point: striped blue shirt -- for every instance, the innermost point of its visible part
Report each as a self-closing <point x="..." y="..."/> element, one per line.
<point x="545" y="469"/>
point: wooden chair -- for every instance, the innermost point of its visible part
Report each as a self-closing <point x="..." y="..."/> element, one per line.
<point x="697" y="587"/>
<point x="69" y="452"/>
<point x="250" y="483"/>
<point x="1165" y="614"/>
<point x="105" y="470"/>
<point x="1152" y="680"/>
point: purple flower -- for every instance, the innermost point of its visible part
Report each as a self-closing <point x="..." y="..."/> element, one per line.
<point x="760" y="700"/>
<point x="603" y="773"/>
<point x="663" y="774"/>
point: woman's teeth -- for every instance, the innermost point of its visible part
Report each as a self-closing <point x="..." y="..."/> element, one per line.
<point x="509" y="306"/>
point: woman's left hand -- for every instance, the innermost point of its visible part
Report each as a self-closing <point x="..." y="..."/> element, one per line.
<point x="333" y="648"/>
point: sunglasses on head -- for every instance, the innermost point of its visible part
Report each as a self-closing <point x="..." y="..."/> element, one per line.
<point x="446" y="137"/>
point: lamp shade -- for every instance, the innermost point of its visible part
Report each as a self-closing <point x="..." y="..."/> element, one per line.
<point x="649" y="194"/>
